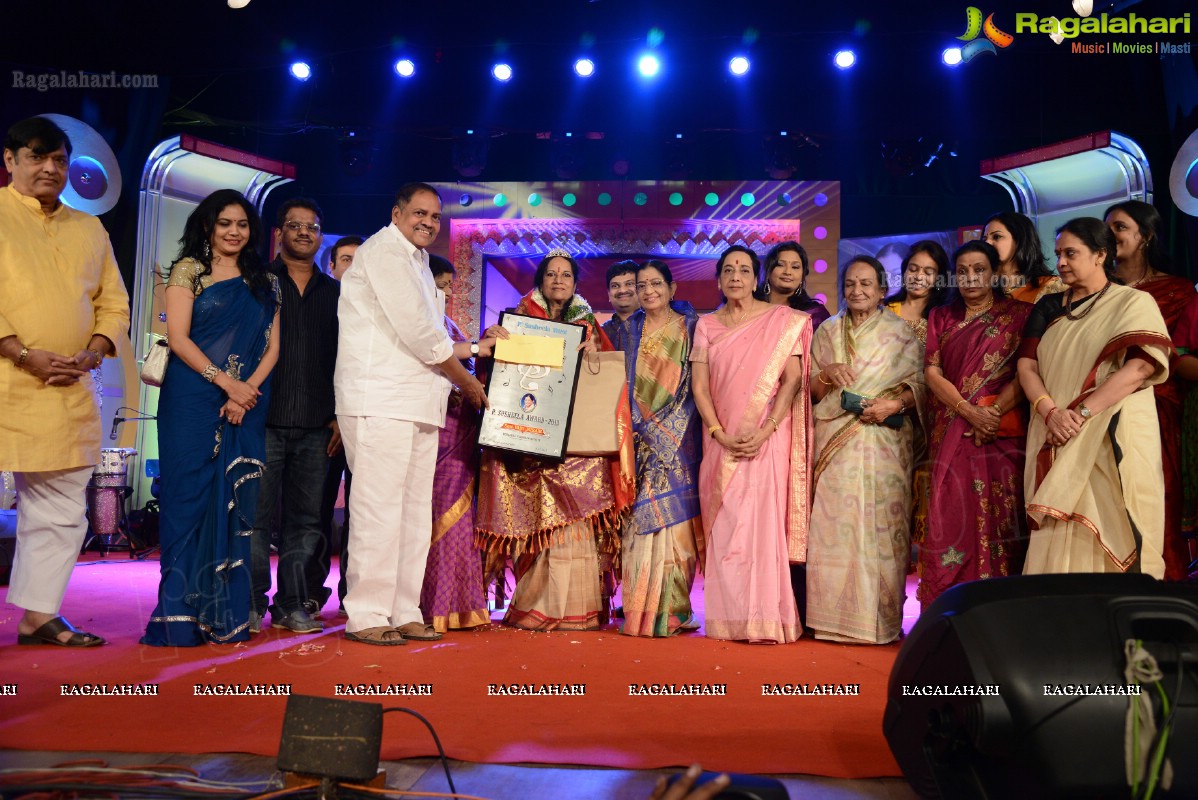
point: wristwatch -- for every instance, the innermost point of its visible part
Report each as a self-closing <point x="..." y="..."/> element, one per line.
<point x="474" y="348"/>
<point x="1084" y="412"/>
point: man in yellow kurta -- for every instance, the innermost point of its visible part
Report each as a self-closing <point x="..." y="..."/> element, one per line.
<point x="63" y="305"/>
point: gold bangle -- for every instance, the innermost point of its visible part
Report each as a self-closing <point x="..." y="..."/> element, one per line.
<point x="209" y="372"/>
<point x="957" y="406"/>
<point x="823" y="380"/>
<point x="714" y="429"/>
<point x="99" y="356"/>
<point x="21" y="359"/>
<point x="1039" y="400"/>
<point x="771" y="419"/>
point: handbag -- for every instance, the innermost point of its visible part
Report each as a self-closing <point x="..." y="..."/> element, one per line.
<point x="853" y="403"/>
<point x="601" y="382"/>
<point x="153" y="369"/>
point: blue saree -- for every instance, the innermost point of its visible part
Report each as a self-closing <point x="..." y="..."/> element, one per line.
<point x="209" y="474"/>
<point x="662" y="543"/>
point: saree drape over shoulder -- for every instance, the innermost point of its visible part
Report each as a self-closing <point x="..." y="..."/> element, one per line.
<point x="755" y="511"/>
<point x="559" y="523"/>
<point x="210" y="471"/>
<point x="1097" y="503"/>
<point x="662" y="542"/>
<point x="861" y="514"/>
<point x="453" y="595"/>
<point x="976" y="518"/>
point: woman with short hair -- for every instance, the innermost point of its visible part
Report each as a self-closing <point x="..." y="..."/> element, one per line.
<point x="868" y="367"/>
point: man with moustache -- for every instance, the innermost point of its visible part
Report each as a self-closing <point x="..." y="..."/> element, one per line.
<point x="341" y="256"/>
<point x="63" y="307"/>
<point x="395" y="365"/>
<point x="621" y="292"/>
<point x="301" y="426"/>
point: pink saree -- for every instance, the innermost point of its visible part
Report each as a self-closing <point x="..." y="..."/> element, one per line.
<point x="755" y="512"/>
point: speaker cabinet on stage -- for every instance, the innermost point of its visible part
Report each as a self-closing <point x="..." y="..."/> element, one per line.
<point x="1042" y="641"/>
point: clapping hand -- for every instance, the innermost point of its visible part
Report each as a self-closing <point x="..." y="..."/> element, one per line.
<point x="681" y="789"/>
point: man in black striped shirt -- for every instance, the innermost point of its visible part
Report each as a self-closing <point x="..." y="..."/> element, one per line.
<point x="301" y="426"/>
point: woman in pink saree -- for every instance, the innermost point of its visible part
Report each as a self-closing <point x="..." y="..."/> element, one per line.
<point x="749" y="382"/>
<point x="976" y="521"/>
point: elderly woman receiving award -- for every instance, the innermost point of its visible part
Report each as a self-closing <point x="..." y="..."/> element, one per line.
<point x="559" y="522"/>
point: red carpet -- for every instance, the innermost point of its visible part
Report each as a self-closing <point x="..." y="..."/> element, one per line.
<point x="838" y="736"/>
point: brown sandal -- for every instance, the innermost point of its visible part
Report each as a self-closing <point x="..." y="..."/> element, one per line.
<point x="419" y="632"/>
<point x="377" y="635"/>
<point x="48" y="634"/>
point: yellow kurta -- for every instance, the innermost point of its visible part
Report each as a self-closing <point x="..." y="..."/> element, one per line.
<point x="59" y="285"/>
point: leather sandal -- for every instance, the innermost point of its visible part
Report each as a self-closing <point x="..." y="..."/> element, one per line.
<point x="419" y="632"/>
<point x="48" y="634"/>
<point x="376" y="635"/>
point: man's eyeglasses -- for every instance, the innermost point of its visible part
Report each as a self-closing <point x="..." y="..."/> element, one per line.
<point x="296" y="227"/>
<point x="653" y="284"/>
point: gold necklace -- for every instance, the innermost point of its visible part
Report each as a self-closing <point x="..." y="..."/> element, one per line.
<point x="1089" y="308"/>
<point x="1142" y="278"/>
<point x="970" y="315"/>
<point x="650" y="341"/>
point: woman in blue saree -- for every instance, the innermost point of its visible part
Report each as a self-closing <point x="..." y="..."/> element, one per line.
<point x="222" y="306"/>
<point x="662" y="542"/>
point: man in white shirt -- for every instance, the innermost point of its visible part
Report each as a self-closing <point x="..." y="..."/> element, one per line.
<point x="395" y="364"/>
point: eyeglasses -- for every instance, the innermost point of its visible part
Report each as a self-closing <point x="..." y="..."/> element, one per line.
<point x="296" y="227"/>
<point x="657" y="283"/>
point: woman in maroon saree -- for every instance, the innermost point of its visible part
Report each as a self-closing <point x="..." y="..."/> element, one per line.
<point x="976" y="527"/>
<point x="1142" y="263"/>
<point x="453" y="595"/>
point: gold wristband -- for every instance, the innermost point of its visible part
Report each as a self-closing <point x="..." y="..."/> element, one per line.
<point x="957" y="406"/>
<point x="99" y="356"/>
<point x="714" y="429"/>
<point x="1039" y="400"/>
<point x="771" y="419"/>
<point x="21" y="359"/>
<point x="209" y="372"/>
<point x="823" y="380"/>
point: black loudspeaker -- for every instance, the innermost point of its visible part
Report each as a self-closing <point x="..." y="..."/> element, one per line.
<point x="338" y="739"/>
<point x="1038" y="638"/>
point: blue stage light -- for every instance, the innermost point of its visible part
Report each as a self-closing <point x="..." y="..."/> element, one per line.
<point x="301" y="71"/>
<point x="404" y="68"/>
<point x="739" y="65"/>
<point x="951" y="56"/>
<point x="845" y="59"/>
<point x="648" y="65"/>
<point x="584" y="67"/>
<point x="502" y="72"/>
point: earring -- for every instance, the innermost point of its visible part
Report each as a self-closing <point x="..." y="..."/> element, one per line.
<point x="207" y="251"/>
<point x="766" y="290"/>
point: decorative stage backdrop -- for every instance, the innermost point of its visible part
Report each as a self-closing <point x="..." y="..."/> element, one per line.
<point x="497" y="232"/>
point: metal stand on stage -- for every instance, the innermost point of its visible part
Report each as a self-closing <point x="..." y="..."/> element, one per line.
<point x="107" y="491"/>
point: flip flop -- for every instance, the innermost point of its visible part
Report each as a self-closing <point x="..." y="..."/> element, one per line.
<point x="48" y="634"/>
<point x="376" y="635"/>
<point x="419" y="632"/>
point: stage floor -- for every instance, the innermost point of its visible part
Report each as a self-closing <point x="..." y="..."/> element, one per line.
<point x="741" y="730"/>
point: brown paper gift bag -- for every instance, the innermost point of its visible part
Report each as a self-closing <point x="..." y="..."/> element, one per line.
<point x="601" y="381"/>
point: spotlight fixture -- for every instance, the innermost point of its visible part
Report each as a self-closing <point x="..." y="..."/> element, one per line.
<point x="301" y="71"/>
<point x="405" y="68"/>
<point x="584" y="67"/>
<point x="502" y="72"/>
<point x="238" y="3"/>
<point x="845" y="59"/>
<point x="951" y="56"/>
<point x="738" y="66"/>
<point x="648" y="65"/>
